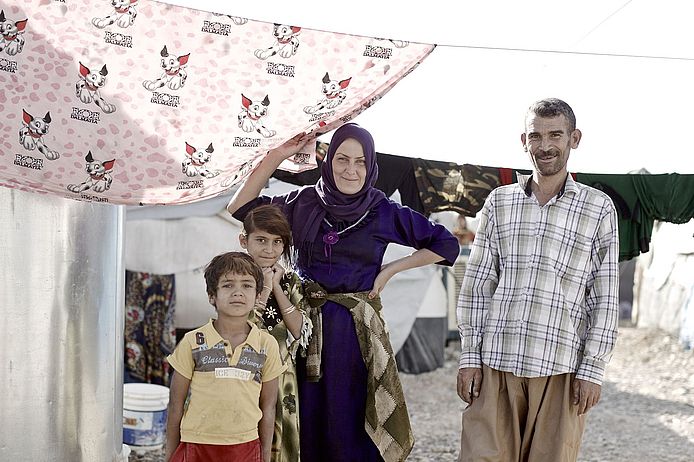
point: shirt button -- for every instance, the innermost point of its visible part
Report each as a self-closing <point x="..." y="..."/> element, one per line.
<point x="226" y="343"/>
<point x="228" y="355"/>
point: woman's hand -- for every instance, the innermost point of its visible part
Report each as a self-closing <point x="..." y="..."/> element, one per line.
<point x="381" y="280"/>
<point x="291" y="146"/>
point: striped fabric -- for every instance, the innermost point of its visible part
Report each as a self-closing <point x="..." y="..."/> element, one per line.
<point x="540" y="293"/>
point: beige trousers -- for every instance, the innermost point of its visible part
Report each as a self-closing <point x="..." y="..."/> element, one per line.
<point x="521" y="419"/>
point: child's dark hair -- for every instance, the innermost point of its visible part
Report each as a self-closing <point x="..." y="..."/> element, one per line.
<point x="271" y="219"/>
<point x="235" y="263"/>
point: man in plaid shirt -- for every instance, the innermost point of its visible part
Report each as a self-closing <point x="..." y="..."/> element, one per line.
<point x="538" y="307"/>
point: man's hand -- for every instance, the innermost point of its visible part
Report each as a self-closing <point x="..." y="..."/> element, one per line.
<point x="469" y="378"/>
<point x="585" y="394"/>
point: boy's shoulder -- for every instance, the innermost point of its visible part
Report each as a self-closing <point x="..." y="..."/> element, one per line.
<point x="194" y="336"/>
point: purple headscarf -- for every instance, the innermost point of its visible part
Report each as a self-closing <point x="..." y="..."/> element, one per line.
<point x="324" y="198"/>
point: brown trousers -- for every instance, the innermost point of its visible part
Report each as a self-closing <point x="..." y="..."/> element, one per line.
<point x="521" y="419"/>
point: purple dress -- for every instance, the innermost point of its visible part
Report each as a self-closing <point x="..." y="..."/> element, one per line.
<point x="332" y="410"/>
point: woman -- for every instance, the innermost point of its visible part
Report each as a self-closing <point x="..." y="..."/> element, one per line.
<point x="351" y="408"/>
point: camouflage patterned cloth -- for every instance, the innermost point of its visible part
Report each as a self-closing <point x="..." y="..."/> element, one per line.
<point x="387" y="421"/>
<point x="449" y="186"/>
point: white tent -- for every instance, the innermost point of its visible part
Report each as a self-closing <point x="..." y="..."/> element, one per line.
<point x="664" y="287"/>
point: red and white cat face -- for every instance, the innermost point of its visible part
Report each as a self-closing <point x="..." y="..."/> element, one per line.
<point x="283" y="32"/>
<point x="93" y="78"/>
<point x="96" y="168"/>
<point x="36" y="125"/>
<point x="255" y="109"/>
<point x="122" y="5"/>
<point x="10" y="29"/>
<point x="199" y="157"/>
<point x="332" y="87"/>
<point x="170" y="63"/>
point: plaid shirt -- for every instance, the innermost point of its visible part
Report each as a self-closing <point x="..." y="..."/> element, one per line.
<point x="540" y="292"/>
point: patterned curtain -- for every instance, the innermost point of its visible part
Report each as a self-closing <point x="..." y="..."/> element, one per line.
<point x="138" y="102"/>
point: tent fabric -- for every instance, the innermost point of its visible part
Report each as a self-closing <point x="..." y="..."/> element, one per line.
<point x="173" y="246"/>
<point x="148" y="103"/>
<point x="663" y="283"/>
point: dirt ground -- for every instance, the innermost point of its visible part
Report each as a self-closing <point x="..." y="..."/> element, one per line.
<point x="646" y="412"/>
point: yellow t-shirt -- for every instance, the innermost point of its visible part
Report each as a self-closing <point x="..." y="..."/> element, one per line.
<point x="223" y="405"/>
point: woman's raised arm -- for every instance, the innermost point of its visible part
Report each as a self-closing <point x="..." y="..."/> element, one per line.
<point x="256" y="181"/>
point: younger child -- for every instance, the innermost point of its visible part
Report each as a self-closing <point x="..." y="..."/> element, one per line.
<point x="229" y="368"/>
<point x="267" y="238"/>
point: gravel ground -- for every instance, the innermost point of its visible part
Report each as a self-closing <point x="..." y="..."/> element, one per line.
<point x="646" y="412"/>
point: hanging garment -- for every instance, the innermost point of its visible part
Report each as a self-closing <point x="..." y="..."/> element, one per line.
<point x="149" y="326"/>
<point x="150" y="103"/>
<point x="449" y="186"/>
<point x="635" y="227"/>
<point x="668" y="197"/>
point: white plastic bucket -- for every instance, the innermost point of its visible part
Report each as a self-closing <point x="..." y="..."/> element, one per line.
<point x="144" y="415"/>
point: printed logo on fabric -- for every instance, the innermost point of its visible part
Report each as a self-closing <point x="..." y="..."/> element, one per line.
<point x="121" y="40"/>
<point x="246" y="142"/>
<point x="28" y="162"/>
<point x="212" y="27"/>
<point x="232" y="373"/>
<point x="253" y="362"/>
<point x="90" y="198"/>
<point x="165" y="99"/>
<point x="190" y="184"/>
<point x="208" y="359"/>
<point x="8" y="66"/>
<point x="280" y="69"/>
<point x="85" y="115"/>
<point x="321" y="116"/>
<point x="378" y="52"/>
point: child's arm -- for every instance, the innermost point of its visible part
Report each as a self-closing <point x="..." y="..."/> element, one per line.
<point x="266" y="426"/>
<point x="178" y="391"/>
<point x="291" y="316"/>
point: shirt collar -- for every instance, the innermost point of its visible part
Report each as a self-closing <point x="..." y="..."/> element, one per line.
<point x="253" y="339"/>
<point x="568" y="186"/>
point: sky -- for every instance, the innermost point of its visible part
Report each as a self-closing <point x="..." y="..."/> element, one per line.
<point x="625" y="66"/>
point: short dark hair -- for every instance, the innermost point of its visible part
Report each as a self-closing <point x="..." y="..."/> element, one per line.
<point x="232" y="262"/>
<point x="553" y="107"/>
<point x="271" y="219"/>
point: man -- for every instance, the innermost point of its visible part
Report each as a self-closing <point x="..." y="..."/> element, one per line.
<point x="538" y="306"/>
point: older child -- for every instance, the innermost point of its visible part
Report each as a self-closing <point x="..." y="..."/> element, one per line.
<point x="267" y="238"/>
<point x="230" y="368"/>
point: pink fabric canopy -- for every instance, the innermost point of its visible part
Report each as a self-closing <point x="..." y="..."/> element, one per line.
<point x="148" y="103"/>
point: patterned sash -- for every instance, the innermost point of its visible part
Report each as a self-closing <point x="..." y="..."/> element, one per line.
<point x="387" y="421"/>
